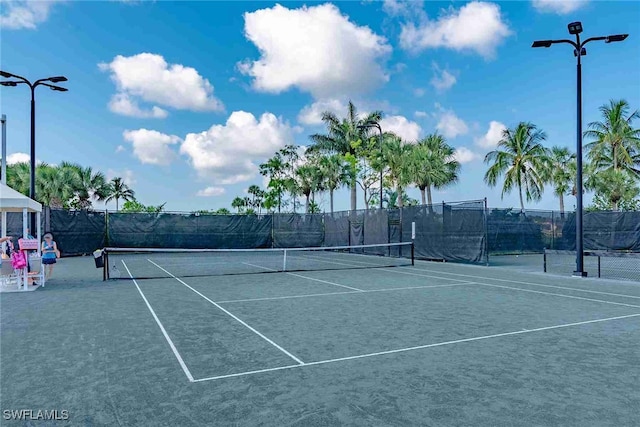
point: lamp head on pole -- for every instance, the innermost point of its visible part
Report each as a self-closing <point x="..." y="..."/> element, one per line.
<point x="57" y="79"/>
<point x="542" y="43"/>
<point x="575" y="27"/>
<point x="9" y="83"/>
<point x="616" y="38"/>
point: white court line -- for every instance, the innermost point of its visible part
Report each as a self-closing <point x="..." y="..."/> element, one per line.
<point x="529" y="283"/>
<point x="524" y="290"/>
<point x="233" y="316"/>
<point x="345" y="293"/>
<point x="420" y="347"/>
<point x="490" y="278"/>
<point x="164" y="332"/>
<point x="305" y="277"/>
<point x="363" y="264"/>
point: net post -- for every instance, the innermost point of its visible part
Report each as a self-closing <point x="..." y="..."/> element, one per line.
<point x="105" y="265"/>
<point x="284" y="261"/>
<point x="544" y="258"/>
<point x="413" y="262"/>
<point x="599" y="265"/>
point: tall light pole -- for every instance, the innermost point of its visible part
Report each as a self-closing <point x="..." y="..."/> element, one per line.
<point x="579" y="51"/>
<point x="373" y="124"/>
<point x="32" y="86"/>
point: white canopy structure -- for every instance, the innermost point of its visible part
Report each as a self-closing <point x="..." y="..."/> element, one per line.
<point x="13" y="201"/>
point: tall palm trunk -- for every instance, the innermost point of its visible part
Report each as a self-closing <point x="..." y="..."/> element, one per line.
<point x="306" y="204"/>
<point x="422" y="193"/>
<point x="117" y="205"/>
<point x="521" y="201"/>
<point x="561" y="196"/>
<point x="429" y="201"/>
<point x="399" y="191"/>
<point x="331" y="200"/>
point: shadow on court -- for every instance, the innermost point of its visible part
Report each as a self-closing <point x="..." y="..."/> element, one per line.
<point x="435" y="344"/>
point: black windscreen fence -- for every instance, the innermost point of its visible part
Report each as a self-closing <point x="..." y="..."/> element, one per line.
<point x="456" y="231"/>
<point x="297" y="230"/>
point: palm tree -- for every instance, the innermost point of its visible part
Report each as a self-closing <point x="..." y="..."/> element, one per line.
<point x="396" y="155"/>
<point x="90" y="184"/>
<point x="238" y="203"/>
<point x="254" y="191"/>
<point x="334" y="174"/>
<point x="342" y="138"/>
<point x="561" y="173"/>
<point x="18" y="177"/>
<point x="306" y="181"/>
<point x="55" y="185"/>
<point x="117" y="189"/>
<point x="433" y="165"/>
<point x="615" y="143"/>
<point x="222" y="211"/>
<point x="522" y="159"/>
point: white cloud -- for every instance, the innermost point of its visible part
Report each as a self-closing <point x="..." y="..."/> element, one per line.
<point x="560" y="7"/>
<point x="442" y="79"/>
<point x="148" y="77"/>
<point x="128" y="177"/>
<point x="19" y="14"/>
<point x="449" y="124"/>
<point x="14" y="158"/>
<point x="464" y="155"/>
<point x="476" y="27"/>
<point x="405" y="129"/>
<point x="492" y="137"/>
<point x="419" y="92"/>
<point x="420" y="114"/>
<point x="120" y="149"/>
<point x="312" y="114"/>
<point x="211" y="192"/>
<point x="315" y="49"/>
<point x="407" y="9"/>
<point x="151" y="146"/>
<point x="230" y="153"/>
<point x="121" y="103"/>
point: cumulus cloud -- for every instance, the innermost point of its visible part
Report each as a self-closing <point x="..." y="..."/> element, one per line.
<point x="420" y="114"/>
<point x="492" y="137"/>
<point x="449" y="124"/>
<point x="464" y="155"/>
<point x="230" y="153"/>
<point x="312" y="114"/>
<point x="315" y="49"/>
<point x="14" y="158"/>
<point x="121" y="103"/>
<point x="442" y="79"/>
<point x="151" y="146"/>
<point x="20" y="14"/>
<point x="149" y="78"/>
<point x="560" y="7"/>
<point x="127" y="175"/>
<point x="401" y="126"/>
<point x="477" y="27"/>
<point x="211" y="192"/>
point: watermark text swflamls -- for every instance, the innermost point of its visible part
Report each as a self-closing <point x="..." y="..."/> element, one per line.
<point x="35" y="415"/>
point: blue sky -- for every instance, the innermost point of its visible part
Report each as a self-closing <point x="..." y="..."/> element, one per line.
<point x="185" y="99"/>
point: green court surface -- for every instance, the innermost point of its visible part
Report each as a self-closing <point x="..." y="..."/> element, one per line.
<point x="435" y="344"/>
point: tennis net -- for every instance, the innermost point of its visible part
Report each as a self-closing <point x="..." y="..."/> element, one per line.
<point x="151" y="263"/>
<point x="603" y="264"/>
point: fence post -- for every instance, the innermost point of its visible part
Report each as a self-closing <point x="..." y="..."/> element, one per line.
<point x="486" y="232"/>
<point x="553" y="232"/>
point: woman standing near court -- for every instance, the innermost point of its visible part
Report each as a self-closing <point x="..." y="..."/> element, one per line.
<point x="49" y="254"/>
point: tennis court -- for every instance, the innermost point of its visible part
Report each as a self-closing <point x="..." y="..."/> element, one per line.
<point x="423" y="344"/>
